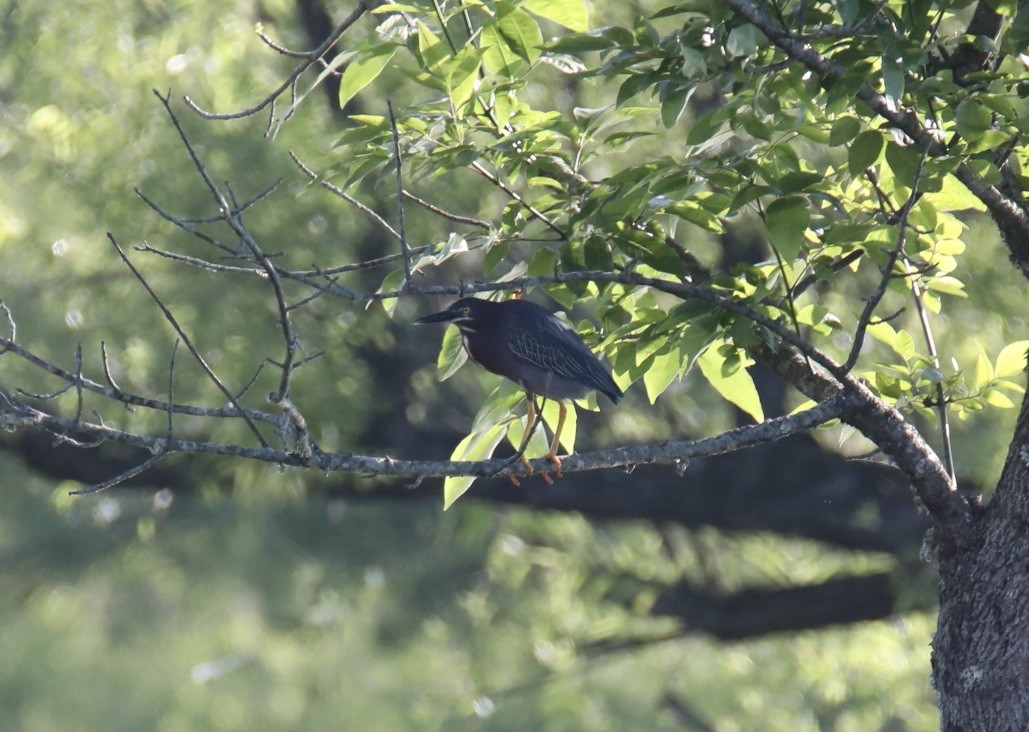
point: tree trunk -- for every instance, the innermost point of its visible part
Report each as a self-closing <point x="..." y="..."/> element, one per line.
<point x="981" y="648"/>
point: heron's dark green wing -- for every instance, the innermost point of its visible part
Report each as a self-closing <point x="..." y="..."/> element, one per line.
<point x="552" y="345"/>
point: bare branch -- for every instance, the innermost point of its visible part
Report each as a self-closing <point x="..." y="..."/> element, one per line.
<point x="290" y="82"/>
<point x="346" y="197"/>
<point x="446" y="214"/>
<point x="121" y="477"/>
<point x="285" y="324"/>
<point x="128" y="398"/>
<point x="668" y="453"/>
<point x="185" y="339"/>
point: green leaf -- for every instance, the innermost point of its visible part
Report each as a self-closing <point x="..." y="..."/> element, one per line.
<point x="673" y="105"/>
<point x="497" y="54"/>
<point x="538" y="444"/>
<point x="736" y="386"/>
<point x="494" y="256"/>
<point x="983" y="371"/>
<point x="661" y="372"/>
<point x="844" y="130"/>
<point x="947" y="285"/>
<point x="998" y="399"/>
<point x="785" y="221"/>
<point x="893" y="78"/>
<point x="461" y="74"/>
<point x="452" y="354"/>
<point x="522" y="34"/>
<point x="1011" y="359"/>
<point x="476" y="446"/>
<point x="864" y="151"/>
<point x="361" y="72"/>
<point x="391" y="283"/>
<point x="431" y="49"/>
<point x="972" y="119"/>
<point x="953" y="196"/>
<point x="500" y="407"/>
<point x="742" y="40"/>
<point x="572" y="14"/>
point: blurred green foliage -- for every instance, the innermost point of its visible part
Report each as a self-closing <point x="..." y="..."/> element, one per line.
<point x="253" y="603"/>
<point x="137" y="611"/>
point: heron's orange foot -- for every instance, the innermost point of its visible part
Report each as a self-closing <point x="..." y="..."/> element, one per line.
<point x="529" y="470"/>
<point x="557" y="464"/>
<point x="514" y="481"/>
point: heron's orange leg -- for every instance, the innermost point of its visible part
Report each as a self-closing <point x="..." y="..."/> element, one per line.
<point x="529" y="423"/>
<point x="562" y="412"/>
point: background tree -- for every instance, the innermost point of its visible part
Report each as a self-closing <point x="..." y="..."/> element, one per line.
<point x="846" y="137"/>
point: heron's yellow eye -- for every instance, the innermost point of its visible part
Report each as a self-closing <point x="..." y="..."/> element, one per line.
<point x="466" y="310"/>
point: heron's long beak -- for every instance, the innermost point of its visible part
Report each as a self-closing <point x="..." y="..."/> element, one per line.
<point x="442" y="317"/>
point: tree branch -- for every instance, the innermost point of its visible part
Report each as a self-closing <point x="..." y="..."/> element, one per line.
<point x="310" y="58"/>
<point x="19" y="414"/>
<point x="1012" y="219"/>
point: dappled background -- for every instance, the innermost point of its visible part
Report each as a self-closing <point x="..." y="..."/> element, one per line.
<point x="213" y="594"/>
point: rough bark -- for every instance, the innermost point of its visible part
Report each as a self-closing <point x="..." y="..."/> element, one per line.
<point x="981" y="648"/>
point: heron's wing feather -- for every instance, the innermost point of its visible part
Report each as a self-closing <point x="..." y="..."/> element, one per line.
<point x="552" y="345"/>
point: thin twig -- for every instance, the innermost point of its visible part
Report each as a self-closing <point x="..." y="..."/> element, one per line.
<point x="941" y="405"/>
<point x="185" y="225"/>
<point x="107" y="366"/>
<point x="446" y="214"/>
<point x="294" y="75"/>
<point x="345" y="196"/>
<point x="887" y="271"/>
<point x="400" y="195"/>
<point x="241" y="208"/>
<point x="835" y="266"/>
<point x="199" y="263"/>
<point x="127" y="398"/>
<point x="10" y="324"/>
<point x="185" y="339"/>
<point x="78" y="381"/>
<point x="285" y="324"/>
<point x="121" y="477"/>
<point x="481" y="170"/>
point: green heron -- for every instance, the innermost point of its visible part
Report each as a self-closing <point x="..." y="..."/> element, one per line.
<point x="526" y="343"/>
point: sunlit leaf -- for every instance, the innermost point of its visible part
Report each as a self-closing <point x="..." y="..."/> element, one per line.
<point x="736" y="386"/>
<point x="947" y="285"/>
<point x="1011" y="360"/>
<point x="551" y="412"/>
<point x="452" y="354"/>
<point x="661" y="372"/>
<point x="497" y="54"/>
<point x="431" y="48"/>
<point x="572" y="14"/>
<point x="522" y="34"/>
<point x="361" y="72"/>
<point x="462" y="72"/>
<point x="983" y="371"/>
<point x="999" y="399"/>
<point x="476" y="446"/>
